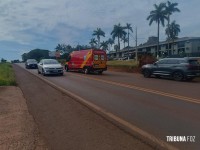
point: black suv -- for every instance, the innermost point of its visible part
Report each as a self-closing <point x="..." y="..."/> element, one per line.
<point x="177" y="68"/>
<point x="31" y="63"/>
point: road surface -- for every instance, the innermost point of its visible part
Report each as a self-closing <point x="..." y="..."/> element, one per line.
<point x="161" y="107"/>
<point x="64" y="123"/>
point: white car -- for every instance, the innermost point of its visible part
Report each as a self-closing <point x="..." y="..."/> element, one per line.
<point x="50" y="66"/>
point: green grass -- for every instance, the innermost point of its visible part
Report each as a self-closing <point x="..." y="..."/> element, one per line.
<point x="7" y="77"/>
<point x="121" y="63"/>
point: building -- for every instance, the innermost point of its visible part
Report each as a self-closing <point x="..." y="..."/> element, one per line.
<point x="186" y="46"/>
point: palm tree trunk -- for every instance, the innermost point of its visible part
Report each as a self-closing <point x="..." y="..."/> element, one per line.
<point x="118" y="44"/>
<point x="158" y="39"/>
<point x="128" y="44"/>
<point x="98" y="43"/>
<point x="128" y="37"/>
<point x="168" y="34"/>
<point x="173" y="46"/>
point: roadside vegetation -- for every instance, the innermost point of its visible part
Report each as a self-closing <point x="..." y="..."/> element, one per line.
<point x="7" y="77"/>
<point x="121" y="65"/>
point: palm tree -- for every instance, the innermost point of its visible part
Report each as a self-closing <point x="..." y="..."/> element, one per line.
<point x="170" y="8"/>
<point x="172" y="30"/>
<point x="59" y="47"/>
<point x="63" y="47"/>
<point x="98" y="33"/>
<point x="93" y="42"/>
<point x="158" y="15"/>
<point x="118" y="31"/>
<point x="110" y="42"/>
<point x="124" y="39"/>
<point x="128" y="26"/>
<point x="104" y="45"/>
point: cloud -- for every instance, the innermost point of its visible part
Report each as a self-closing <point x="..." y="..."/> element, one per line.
<point x="43" y="24"/>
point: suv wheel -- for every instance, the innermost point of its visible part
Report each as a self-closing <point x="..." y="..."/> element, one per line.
<point x="157" y="76"/>
<point x="146" y="73"/>
<point x="178" y="76"/>
<point x="190" y="79"/>
<point x="100" y="72"/>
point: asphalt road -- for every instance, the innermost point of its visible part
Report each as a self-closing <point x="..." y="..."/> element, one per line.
<point x="161" y="107"/>
<point x="65" y="124"/>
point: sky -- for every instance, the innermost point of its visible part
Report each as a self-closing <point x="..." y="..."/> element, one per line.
<point x="29" y="24"/>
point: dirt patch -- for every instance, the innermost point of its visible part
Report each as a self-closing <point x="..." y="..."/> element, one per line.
<point x="17" y="128"/>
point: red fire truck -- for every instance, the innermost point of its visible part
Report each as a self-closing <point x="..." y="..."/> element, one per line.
<point x="91" y="60"/>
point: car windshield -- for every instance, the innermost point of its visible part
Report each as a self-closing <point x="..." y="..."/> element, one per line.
<point x="51" y="61"/>
<point x="32" y="61"/>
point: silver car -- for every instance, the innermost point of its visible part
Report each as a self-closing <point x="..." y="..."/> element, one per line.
<point x="49" y="66"/>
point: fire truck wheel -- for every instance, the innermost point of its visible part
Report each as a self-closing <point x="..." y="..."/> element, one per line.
<point x="66" y="68"/>
<point x="86" y="70"/>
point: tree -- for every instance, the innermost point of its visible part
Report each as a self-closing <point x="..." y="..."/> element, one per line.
<point x="128" y="26"/>
<point x="170" y="9"/>
<point x="124" y="39"/>
<point x="172" y="30"/>
<point x="98" y="33"/>
<point x="24" y="57"/>
<point x="158" y="15"/>
<point x="93" y="42"/>
<point x="37" y="54"/>
<point x="118" y="31"/>
<point x="110" y="42"/>
<point x="64" y="48"/>
<point x="3" y="60"/>
<point x="116" y="47"/>
<point x="104" y="45"/>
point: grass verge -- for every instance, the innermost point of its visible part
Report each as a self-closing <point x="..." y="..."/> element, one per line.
<point x="122" y="63"/>
<point x="7" y="77"/>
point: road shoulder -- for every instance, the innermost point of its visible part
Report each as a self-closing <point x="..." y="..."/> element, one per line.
<point x="17" y="127"/>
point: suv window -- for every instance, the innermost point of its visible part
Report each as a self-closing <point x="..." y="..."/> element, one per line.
<point x="162" y="61"/>
<point x="173" y="61"/>
<point x="182" y="61"/>
<point x="194" y="62"/>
